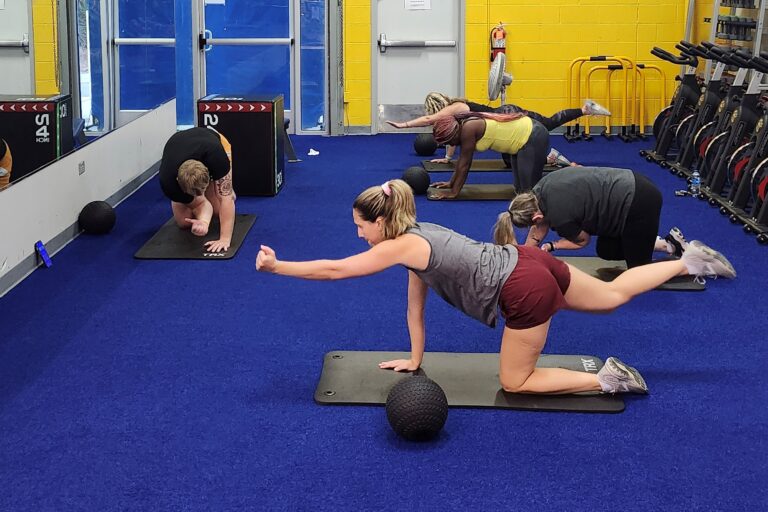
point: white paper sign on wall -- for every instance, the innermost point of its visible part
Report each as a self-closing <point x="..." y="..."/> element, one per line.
<point x="418" y="5"/>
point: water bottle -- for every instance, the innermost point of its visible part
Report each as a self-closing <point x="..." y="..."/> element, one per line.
<point x="695" y="184"/>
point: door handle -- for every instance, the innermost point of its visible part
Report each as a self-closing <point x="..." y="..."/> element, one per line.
<point x="385" y="43"/>
<point x="24" y="43"/>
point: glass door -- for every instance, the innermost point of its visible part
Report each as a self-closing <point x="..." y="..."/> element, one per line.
<point x="248" y="47"/>
<point x="126" y="59"/>
<point x="143" y="56"/>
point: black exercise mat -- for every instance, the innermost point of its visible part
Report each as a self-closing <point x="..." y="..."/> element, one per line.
<point x="469" y="380"/>
<point x="495" y="165"/>
<point x="173" y="243"/>
<point x="478" y="192"/>
<point x="477" y="165"/>
<point x="610" y="270"/>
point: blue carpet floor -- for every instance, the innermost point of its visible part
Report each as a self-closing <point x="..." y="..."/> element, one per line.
<point x="188" y="385"/>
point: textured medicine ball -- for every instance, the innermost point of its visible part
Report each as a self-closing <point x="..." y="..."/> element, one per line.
<point x="417" y="408"/>
<point x="97" y="218"/>
<point x="418" y="178"/>
<point x="425" y="144"/>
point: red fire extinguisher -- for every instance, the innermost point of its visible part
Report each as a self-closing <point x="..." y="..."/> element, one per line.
<point x="498" y="40"/>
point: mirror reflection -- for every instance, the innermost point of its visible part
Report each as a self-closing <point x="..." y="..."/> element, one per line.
<point x="74" y="70"/>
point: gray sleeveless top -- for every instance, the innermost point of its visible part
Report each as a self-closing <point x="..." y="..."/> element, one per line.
<point x="468" y="274"/>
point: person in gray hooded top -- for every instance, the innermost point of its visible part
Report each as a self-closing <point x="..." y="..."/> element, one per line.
<point x="527" y="284"/>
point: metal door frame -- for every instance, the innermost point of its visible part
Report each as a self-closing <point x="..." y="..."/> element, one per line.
<point x="334" y="48"/>
<point x="375" y="59"/>
<point x="329" y="8"/>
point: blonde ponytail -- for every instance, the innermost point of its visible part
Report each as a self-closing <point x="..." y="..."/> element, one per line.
<point x="392" y="201"/>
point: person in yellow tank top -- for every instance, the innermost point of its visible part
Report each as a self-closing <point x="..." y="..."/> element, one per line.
<point x="523" y="138"/>
<point x="437" y="105"/>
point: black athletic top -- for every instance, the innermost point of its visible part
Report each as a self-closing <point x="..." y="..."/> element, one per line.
<point x="503" y="109"/>
<point x="3" y="148"/>
<point x="591" y="199"/>
<point x="479" y="107"/>
<point x="201" y="144"/>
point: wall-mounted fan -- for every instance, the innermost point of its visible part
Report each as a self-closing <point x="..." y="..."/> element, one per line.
<point x="498" y="80"/>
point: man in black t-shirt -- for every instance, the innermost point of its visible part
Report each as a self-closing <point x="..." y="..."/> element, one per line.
<point x="196" y="175"/>
<point x="620" y="207"/>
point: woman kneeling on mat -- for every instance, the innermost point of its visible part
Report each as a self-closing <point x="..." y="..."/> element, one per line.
<point x="621" y="207"/>
<point x="525" y="139"/>
<point x="439" y="105"/>
<point x="527" y="284"/>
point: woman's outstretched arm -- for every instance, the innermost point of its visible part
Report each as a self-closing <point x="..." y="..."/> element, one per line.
<point x="379" y="257"/>
<point x="428" y="120"/>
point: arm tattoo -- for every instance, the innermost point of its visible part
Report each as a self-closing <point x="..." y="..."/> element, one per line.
<point x="224" y="185"/>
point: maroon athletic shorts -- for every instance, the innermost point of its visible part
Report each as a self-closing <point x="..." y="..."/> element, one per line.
<point x="535" y="290"/>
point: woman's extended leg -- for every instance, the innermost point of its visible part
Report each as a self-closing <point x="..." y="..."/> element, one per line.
<point x="559" y="118"/>
<point x="587" y="293"/>
<point x="520" y="349"/>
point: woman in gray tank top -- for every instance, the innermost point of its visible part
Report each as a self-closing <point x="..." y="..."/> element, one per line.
<point x="527" y="284"/>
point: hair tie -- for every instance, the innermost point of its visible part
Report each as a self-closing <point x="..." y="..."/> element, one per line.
<point x="386" y="189"/>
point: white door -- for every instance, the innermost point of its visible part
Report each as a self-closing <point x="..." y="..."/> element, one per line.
<point x="15" y="47"/>
<point x="418" y="51"/>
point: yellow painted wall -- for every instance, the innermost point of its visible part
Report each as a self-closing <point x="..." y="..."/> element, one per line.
<point x="45" y="40"/>
<point x="543" y="36"/>
<point x="701" y="30"/>
<point x="357" y="62"/>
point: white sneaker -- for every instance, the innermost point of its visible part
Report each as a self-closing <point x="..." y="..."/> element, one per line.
<point x="703" y="261"/>
<point x="618" y="377"/>
<point x="556" y="158"/>
<point x="595" y="109"/>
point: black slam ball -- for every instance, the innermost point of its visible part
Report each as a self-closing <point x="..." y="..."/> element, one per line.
<point x="418" y="178"/>
<point x="97" y="218"/>
<point x="425" y="144"/>
<point x="417" y="408"/>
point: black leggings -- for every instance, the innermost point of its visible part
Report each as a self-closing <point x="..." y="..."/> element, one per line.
<point x="528" y="163"/>
<point x="550" y="123"/>
<point x="636" y="243"/>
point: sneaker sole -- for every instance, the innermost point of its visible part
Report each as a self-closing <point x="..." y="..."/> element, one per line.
<point x="628" y="371"/>
<point x="678" y="236"/>
<point x="596" y="110"/>
<point x="716" y="255"/>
